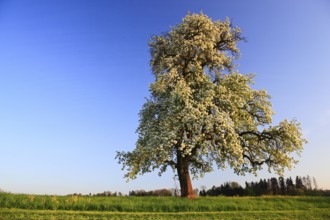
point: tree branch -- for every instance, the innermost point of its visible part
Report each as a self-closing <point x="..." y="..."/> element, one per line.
<point x="171" y="163"/>
<point x="257" y="163"/>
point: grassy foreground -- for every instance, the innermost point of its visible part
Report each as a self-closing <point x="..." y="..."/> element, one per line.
<point x="14" y="206"/>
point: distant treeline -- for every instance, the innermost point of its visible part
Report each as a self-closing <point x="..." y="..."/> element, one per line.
<point x="273" y="186"/>
<point x="300" y="186"/>
<point x="158" y="192"/>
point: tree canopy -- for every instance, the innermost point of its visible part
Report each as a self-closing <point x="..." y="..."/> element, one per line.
<point x="202" y="111"/>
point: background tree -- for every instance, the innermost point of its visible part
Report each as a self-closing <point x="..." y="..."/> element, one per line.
<point x="299" y="183"/>
<point x="315" y="184"/>
<point x="202" y="112"/>
<point x="274" y="187"/>
<point x="282" y="185"/>
<point x="290" y="188"/>
<point x="307" y="182"/>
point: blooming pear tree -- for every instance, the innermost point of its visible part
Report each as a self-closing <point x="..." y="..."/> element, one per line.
<point x="202" y="112"/>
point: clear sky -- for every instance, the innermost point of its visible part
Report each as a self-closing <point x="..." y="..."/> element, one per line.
<point x="75" y="73"/>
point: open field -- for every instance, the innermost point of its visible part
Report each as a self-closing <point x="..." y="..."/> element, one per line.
<point x="14" y="206"/>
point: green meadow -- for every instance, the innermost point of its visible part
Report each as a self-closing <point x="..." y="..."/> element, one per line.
<point x="18" y="206"/>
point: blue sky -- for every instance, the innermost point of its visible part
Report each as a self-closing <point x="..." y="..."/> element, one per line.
<point x="74" y="75"/>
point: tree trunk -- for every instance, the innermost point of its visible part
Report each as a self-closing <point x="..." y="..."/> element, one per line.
<point x="184" y="176"/>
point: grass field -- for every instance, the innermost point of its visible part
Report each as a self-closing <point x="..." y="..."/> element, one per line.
<point x="13" y="206"/>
